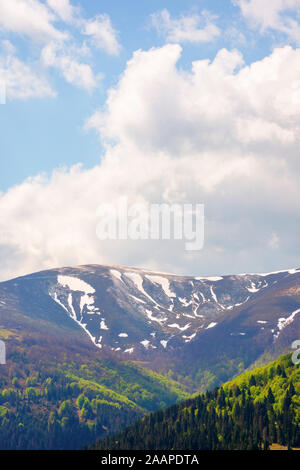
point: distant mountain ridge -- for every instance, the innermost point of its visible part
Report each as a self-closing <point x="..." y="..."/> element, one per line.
<point x="201" y="331"/>
<point x="137" y="312"/>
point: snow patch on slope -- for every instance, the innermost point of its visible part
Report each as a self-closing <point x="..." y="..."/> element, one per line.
<point x="283" y="322"/>
<point x="138" y="282"/>
<point x="211" y="325"/>
<point x="152" y="318"/>
<point x="103" y="325"/>
<point x="181" y="328"/>
<point x="188" y="339"/>
<point x="184" y="302"/>
<point x="213" y="278"/>
<point x="164" y="282"/>
<point x="75" y="284"/>
<point x="288" y="271"/>
<point x="116" y="274"/>
<point x="253" y="288"/>
<point x="129" y="350"/>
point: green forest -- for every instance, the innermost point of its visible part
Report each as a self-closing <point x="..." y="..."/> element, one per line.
<point x="58" y="397"/>
<point x="259" y="408"/>
<point x="47" y="404"/>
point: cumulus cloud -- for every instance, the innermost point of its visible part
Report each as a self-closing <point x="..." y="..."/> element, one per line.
<point x="63" y="9"/>
<point x="21" y="80"/>
<point x="194" y="28"/>
<point x="102" y="34"/>
<point x="58" y="46"/>
<point x="219" y="104"/>
<point x="29" y="17"/>
<point x="176" y="136"/>
<point x="98" y="29"/>
<point x="77" y="73"/>
<point x="277" y="15"/>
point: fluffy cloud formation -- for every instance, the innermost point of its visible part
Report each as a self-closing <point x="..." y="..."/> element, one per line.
<point x="98" y="29"/>
<point x="275" y="15"/>
<point x="102" y="34"/>
<point x="223" y="134"/>
<point x="218" y="105"/>
<point x="59" y="47"/>
<point x="63" y="9"/>
<point x="77" y="73"/>
<point x="29" y="17"/>
<point x="194" y="28"/>
<point x="21" y="80"/>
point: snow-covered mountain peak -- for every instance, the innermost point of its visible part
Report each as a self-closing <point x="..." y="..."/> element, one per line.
<point x="128" y="309"/>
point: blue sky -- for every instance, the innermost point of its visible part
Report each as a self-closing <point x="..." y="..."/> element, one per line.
<point x="75" y="82"/>
<point x="40" y="135"/>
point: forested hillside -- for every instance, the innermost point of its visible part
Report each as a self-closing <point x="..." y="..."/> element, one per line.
<point x="256" y="409"/>
<point x="84" y="361"/>
<point x="59" y="395"/>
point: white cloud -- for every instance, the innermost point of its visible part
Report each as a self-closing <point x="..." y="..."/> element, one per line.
<point x="102" y="34"/>
<point x="60" y="48"/>
<point x="21" y="80"/>
<point x="77" y="73"/>
<point x="177" y="137"/>
<point x="278" y="15"/>
<point x="29" y="17"/>
<point x="201" y="110"/>
<point x="194" y="28"/>
<point x="63" y="9"/>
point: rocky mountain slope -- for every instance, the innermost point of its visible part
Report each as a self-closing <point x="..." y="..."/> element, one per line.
<point x="203" y="330"/>
<point x="134" y="311"/>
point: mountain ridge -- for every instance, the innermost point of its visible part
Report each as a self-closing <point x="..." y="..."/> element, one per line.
<point x="149" y="293"/>
<point x="210" y="328"/>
